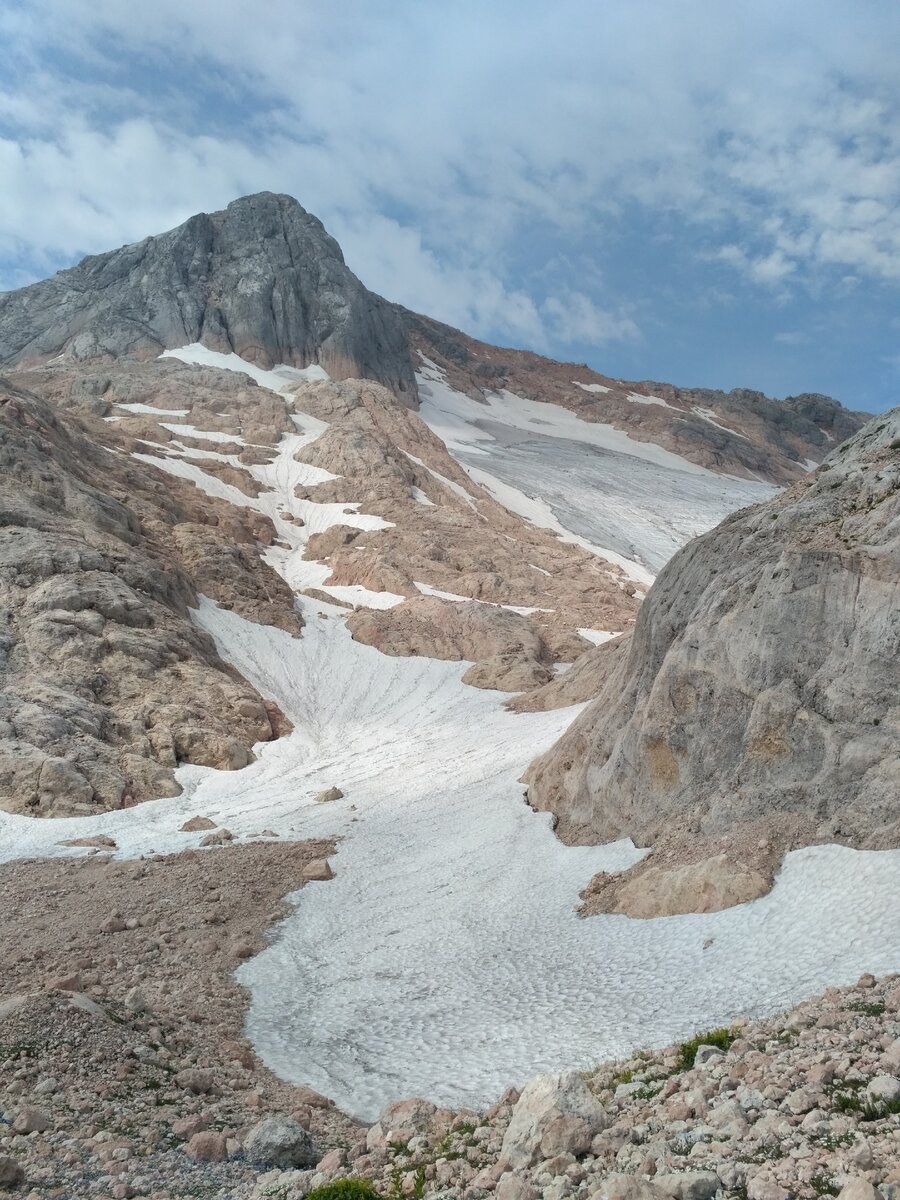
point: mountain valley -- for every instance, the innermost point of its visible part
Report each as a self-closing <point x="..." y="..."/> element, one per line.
<point x="384" y="714"/>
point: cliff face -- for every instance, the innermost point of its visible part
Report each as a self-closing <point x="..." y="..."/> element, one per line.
<point x="762" y="680"/>
<point x="261" y="278"/>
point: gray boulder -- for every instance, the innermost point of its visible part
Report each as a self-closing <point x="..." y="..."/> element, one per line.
<point x="544" y="1100"/>
<point x="280" y="1142"/>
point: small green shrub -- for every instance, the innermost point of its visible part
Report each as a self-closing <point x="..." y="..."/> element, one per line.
<point x="345" y="1189"/>
<point x="687" y="1051"/>
<point x="873" y="1009"/>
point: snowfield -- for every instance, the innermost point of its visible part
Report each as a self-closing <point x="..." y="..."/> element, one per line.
<point x="445" y="958"/>
<point x="631" y="502"/>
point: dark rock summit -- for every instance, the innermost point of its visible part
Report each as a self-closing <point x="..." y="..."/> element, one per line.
<point x="262" y="278"/>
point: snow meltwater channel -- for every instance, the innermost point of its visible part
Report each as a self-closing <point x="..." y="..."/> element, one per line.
<point x="445" y="958"/>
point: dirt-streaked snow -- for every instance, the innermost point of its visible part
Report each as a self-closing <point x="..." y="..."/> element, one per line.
<point x="445" y="959"/>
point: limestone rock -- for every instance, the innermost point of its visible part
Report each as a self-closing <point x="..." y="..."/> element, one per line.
<point x="762" y="676"/>
<point x="328" y="794"/>
<point x="545" y="1099"/>
<point x="628" y="1187"/>
<point x="857" y="1189"/>
<point x="280" y="1142"/>
<point x="105" y="683"/>
<point x="31" y="1120"/>
<point x="207" y="1147"/>
<point x="197" y="825"/>
<point x="689" y="1185"/>
<point x="706" y="886"/>
<point x="883" y="1088"/>
<point x="319" y="870"/>
<point x="11" y="1173"/>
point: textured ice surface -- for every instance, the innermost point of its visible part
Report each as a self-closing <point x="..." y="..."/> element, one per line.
<point x="622" y="499"/>
<point x="445" y="959"/>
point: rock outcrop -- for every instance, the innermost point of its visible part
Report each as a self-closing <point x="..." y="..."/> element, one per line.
<point x="105" y="683"/>
<point x="762" y="680"/>
<point x="261" y="278"/>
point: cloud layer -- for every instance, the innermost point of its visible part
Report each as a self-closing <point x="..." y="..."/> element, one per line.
<point x="488" y="164"/>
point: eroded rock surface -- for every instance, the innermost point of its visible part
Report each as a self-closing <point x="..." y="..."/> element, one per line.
<point x="105" y="684"/>
<point x="762" y="678"/>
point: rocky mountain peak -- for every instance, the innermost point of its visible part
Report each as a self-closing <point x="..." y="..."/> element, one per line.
<point x="261" y="278"/>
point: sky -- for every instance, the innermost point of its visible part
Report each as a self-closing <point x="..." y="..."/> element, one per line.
<point x="701" y="192"/>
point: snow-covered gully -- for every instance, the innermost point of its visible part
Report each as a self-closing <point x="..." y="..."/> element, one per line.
<point x="445" y="958"/>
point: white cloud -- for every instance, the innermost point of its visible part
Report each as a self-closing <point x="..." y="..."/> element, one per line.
<point x="792" y="337"/>
<point x="574" y="317"/>
<point x="436" y="140"/>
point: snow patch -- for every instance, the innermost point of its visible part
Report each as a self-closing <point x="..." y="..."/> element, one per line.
<point x="591" y="387"/>
<point x="640" y="398"/>
<point x="599" y="636"/>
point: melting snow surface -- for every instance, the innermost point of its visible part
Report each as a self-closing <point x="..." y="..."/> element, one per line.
<point x="445" y="959"/>
<point x="630" y="502"/>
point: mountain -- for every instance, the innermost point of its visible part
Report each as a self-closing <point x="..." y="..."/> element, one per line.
<point x="757" y="696"/>
<point x="294" y="586"/>
<point x="261" y="279"/>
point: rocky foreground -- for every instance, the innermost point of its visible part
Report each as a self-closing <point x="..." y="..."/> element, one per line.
<point x="123" y="1072"/>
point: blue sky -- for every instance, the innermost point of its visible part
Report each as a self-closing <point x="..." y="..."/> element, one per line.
<point x="701" y="192"/>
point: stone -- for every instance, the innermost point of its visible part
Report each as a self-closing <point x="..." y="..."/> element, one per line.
<point x="278" y="1141"/>
<point x="616" y="1186"/>
<point x="67" y="983"/>
<point x="12" y="1173"/>
<point x="198" y="1080"/>
<point x="186" y="1127"/>
<point x="98" y="842"/>
<point x="883" y="1088"/>
<point x="309" y="1096"/>
<point x="329" y="794"/>
<point x="708" y="1054"/>
<point x="207" y="1147"/>
<point x="544" y="1099"/>
<point x="858" y="1189"/>
<point x="319" y="870"/>
<point x="763" y="1187"/>
<point x="566" y="1135"/>
<point x="197" y="825"/>
<point x="332" y="1161"/>
<point x="135" y="1001"/>
<point x="689" y="1185"/>
<point x="31" y="1120"/>
<point x="220" y="838"/>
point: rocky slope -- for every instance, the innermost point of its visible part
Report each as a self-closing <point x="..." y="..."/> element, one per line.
<point x="262" y="279"/>
<point x="758" y="696"/>
<point x="106" y="683"/>
<point x="741" y="432"/>
<point x="124" y="1073"/>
